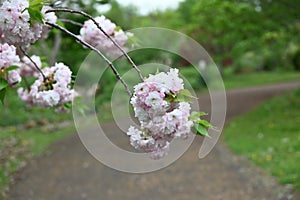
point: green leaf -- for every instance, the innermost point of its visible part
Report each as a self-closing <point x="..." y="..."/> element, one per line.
<point x="3" y="84"/>
<point x="34" y="10"/>
<point x="118" y="28"/>
<point x="186" y="93"/>
<point x="201" y="130"/>
<point x="13" y="67"/>
<point x="35" y="15"/>
<point x="183" y="99"/>
<point x="36" y="3"/>
<point x="68" y="105"/>
<point x="2" y="95"/>
<point x="203" y="114"/>
<point x="204" y="123"/>
<point x="195" y="116"/>
<point x="185" y="96"/>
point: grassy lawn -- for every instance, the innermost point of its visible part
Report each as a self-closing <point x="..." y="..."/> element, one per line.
<point x="245" y="80"/>
<point x="270" y="137"/>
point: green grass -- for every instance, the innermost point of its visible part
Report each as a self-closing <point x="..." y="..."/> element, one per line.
<point x="245" y="80"/>
<point x="270" y="137"/>
<point x="15" y="112"/>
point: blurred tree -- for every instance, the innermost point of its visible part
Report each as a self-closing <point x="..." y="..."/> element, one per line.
<point x="124" y="16"/>
<point x="185" y="8"/>
<point x="88" y="6"/>
<point x="235" y="29"/>
<point x="219" y="25"/>
<point x="280" y="11"/>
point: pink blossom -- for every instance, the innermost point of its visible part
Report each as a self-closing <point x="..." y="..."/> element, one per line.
<point x="160" y="150"/>
<point x="170" y="80"/>
<point x="48" y="17"/>
<point x="92" y="35"/>
<point x="8" y="58"/>
<point x="48" y="98"/>
<point x="54" y="91"/>
<point x="15" y="25"/>
<point x="161" y="120"/>
<point x="13" y="77"/>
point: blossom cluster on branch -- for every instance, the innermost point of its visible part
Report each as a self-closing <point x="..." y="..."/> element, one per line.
<point x="161" y="114"/>
<point x="16" y="26"/>
<point x="52" y="89"/>
<point x="19" y="28"/>
<point x="160" y="101"/>
<point x="91" y="34"/>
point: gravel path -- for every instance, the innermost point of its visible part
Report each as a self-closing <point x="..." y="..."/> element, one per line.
<point x="69" y="172"/>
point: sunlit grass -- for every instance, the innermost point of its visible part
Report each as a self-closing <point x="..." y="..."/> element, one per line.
<point x="252" y="79"/>
<point x="270" y="137"/>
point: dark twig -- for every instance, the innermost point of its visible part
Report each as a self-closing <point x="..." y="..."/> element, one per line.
<point x="94" y="49"/>
<point x="71" y="22"/>
<point x="108" y="36"/>
<point x="35" y="65"/>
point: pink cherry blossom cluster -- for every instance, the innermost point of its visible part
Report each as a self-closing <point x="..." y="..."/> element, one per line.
<point x="53" y="90"/>
<point x="15" y="25"/>
<point x="161" y="117"/>
<point x="52" y="87"/>
<point x="8" y="58"/>
<point x="92" y="35"/>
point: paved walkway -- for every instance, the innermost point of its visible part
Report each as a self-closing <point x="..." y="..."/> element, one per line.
<point x="69" y="172"/>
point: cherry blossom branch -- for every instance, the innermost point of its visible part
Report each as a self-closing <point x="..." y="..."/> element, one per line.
<point x="96" y="50"/>
<point x="34" y="64"/>
<point x="71" y="22"/>
<point x="108" y="36"/>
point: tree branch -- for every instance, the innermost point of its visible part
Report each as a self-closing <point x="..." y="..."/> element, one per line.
<point x="35" y="65"/>
<point x="71" y="22"/>
<point x="94" y="49"/>
<point x="108" y="36"/>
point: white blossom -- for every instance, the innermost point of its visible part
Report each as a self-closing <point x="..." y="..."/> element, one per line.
<point x="161" y="120"/>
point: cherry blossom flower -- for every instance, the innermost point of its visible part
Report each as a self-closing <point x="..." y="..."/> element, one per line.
<point x="13" y="77"/>
<point x="15" y="25"/>
<point x="161" y="118"/>
<point x="8" y="58"/>
<point x="53" y="90"/>
<point x="95" y="37"/>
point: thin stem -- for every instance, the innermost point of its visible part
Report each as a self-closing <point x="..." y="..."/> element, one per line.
<point x="34" y="64"/>
<point x="71" y="22"/>
<point x="94" y="49"/>
<point x="108" y="36"/>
